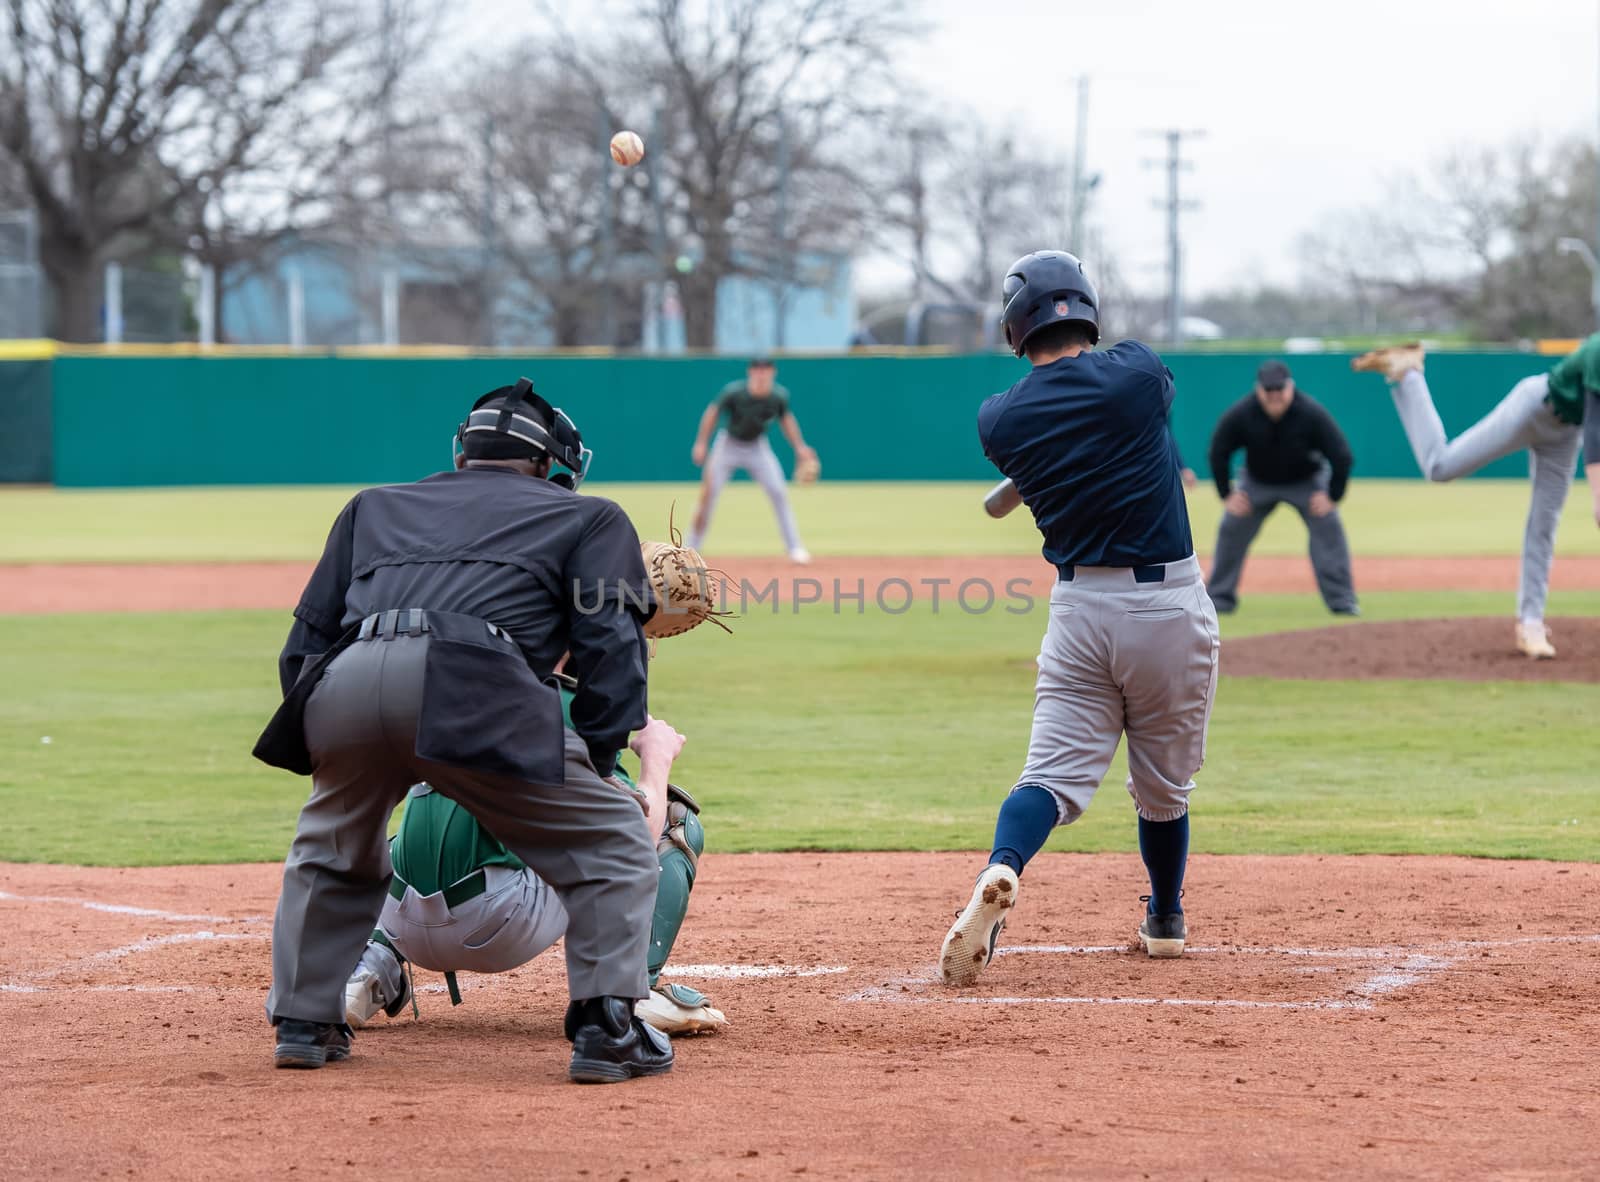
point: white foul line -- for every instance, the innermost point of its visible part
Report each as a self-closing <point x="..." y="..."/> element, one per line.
<point x="122" y="909"/>
<point x="731" y="972"/>
<point x="115" y="954"/>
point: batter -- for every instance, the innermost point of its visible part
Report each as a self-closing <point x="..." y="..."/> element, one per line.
<point x="1131" y="646"/>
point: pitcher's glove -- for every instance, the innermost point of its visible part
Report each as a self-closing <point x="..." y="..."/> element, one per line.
<point x="686" y="590"/>
<point x="807" y="468"/>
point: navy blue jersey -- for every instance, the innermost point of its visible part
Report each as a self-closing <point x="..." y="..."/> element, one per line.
<point x="1085" y="439"/>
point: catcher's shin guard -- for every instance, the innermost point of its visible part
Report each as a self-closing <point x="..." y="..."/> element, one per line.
<point x="679" y="850"/>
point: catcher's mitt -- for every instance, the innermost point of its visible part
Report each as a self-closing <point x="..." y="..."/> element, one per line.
<point x="807" y="469"/>
<point x="686" y="590"/>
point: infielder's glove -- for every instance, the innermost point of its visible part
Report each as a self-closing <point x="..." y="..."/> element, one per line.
<point x="686" y="590"/>
<point x="807" y="469"/>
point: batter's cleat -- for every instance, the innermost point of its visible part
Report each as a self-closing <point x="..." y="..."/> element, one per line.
<point x="800" y="555"/>
<point x="310" y="1044"/>
<point x="1393" y="362"/>
<point x="364" y="998"/>
<point x="610" y="1044"/>
<point x="1163" y="935"/>
<point x="1533" y="640"/>
<point x="677" y="1009"/>
<point x="969" y="945"/>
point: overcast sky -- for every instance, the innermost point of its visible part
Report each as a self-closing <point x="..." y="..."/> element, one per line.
<point x="1306" y="106"/>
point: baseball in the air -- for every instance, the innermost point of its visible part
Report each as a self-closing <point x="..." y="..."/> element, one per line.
<point x="627" y="148"/>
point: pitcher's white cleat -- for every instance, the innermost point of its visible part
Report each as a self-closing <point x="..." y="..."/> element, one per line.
<point x="1533" y="640"/>
<point x="1393" y="362"/>
<point x="969" y="945"/>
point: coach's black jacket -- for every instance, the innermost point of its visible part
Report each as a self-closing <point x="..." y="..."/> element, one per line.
<point x="557" y="571"/>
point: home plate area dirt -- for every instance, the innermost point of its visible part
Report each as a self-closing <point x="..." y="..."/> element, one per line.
<point x="1374" y="1017"/>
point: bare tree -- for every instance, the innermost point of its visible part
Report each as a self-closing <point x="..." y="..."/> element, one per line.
<point x="1471" y="241"/>
<point x="752" y="101"/>
<point x="129" y="117"/>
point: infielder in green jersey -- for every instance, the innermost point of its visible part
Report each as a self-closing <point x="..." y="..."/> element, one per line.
<point x="1550" y="415"/>
<point x="460" y="901"/>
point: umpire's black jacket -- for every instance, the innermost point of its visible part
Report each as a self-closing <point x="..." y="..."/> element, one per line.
<point x="557" y="571"/>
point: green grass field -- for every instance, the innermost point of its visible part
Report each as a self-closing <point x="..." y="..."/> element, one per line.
<point x="1393" y="517"/>
<point x="127" y="738"/>
<point x="818" y="731"/>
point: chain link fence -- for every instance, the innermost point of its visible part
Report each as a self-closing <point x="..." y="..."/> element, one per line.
<point x="22" y="287"/>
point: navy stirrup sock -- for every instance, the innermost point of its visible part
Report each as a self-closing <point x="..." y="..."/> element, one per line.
<point x="1164" y="845"/>
<point x="1026" y="819"/>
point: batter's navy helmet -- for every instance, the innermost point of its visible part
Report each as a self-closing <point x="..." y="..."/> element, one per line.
<point x="1046" y="287"/>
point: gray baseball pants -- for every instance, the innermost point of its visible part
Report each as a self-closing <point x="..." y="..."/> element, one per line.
<point x="1124" y="657"/>
<point x="514" y="920"/>
<point x="582" y="837"/>
<point x="1330" y="552"/>
<point x="756" y="457"/>
<point x="1522" y="420"/>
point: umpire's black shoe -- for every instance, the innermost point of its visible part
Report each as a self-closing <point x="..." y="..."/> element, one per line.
<point x="310" y="1044"/>
<point x="610" y="1045"/>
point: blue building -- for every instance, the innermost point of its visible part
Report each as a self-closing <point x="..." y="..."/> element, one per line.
<point x="443" y="296"/>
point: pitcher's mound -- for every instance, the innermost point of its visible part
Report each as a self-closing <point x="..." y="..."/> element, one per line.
<point x="1471" y="649"/>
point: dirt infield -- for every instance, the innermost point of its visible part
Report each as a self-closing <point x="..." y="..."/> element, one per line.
<point x="1381" y="1017"/>
<point x="1441" y="650"/>
<point x="86" y="587"/>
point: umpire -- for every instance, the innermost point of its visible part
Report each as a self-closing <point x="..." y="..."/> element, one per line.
<point x="422" y="649"/>
<point x="1293" y="452"/>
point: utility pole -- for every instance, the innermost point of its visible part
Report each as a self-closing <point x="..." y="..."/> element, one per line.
<point x="1080" y="184"/>
<point x="1174" y="204"/>
<point x="486" y="231"/>
<point x="785" y="259"/>
<point x="608" y="238"/>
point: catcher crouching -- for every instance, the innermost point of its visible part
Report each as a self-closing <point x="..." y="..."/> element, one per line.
<point x="461" y="902"/>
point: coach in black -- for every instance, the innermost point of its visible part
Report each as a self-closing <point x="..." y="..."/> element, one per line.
<point x="1293" y="452"/>
<point x="421" y="650"/>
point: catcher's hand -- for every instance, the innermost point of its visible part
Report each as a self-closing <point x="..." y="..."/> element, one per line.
<point x="807" y="467"/>
<point x="686" y="590"/>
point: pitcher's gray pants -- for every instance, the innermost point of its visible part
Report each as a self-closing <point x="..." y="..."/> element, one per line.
<point x="1522" y="420"/>
<point x="583" y="837"/>
<point x="756" y="457"/>
<point x="1330" y="552"/>
<point x="1119" y="657"/>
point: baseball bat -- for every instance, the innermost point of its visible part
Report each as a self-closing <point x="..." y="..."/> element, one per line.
<point x="1001" y="499"/>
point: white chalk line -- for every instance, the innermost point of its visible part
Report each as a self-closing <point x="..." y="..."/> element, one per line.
<point x="123" y="909"/>
<point x="1396" y="968"/>
<point x="111" y="955"/>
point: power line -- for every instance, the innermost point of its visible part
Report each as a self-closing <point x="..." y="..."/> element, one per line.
<point x="1174" y="204"/>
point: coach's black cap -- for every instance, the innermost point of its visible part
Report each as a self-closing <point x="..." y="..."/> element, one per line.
<point x="1273" y="375"/>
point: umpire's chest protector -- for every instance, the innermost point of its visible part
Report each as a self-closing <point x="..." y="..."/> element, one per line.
<point x="482" y="706"/>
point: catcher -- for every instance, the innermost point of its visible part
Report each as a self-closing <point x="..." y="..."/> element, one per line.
<point x="460" y="901"/>
<point x="751" y="406"/>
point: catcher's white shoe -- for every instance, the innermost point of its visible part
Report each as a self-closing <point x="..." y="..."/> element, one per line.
<point x="1393" y="362"/>
<point x="969" y="945"/>
<point x="1534" y="641"/>
<point x="677" y="1009"/>
<point x="363" y="998"/>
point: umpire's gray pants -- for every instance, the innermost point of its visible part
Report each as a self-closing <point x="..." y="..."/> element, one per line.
<point x="1119" y="657"/>
<point x="755" y="456"/>
<point x="1330" y="552"/>
<point x="583" y="837"/>
<point x="1522" y="420"/>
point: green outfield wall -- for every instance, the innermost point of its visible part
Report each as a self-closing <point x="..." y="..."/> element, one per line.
<point x="343" y="419"/>
<point x="25" y="407"/>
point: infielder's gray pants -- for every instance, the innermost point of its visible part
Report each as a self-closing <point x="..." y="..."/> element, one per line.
<point x="1522" y="420"/>
<point x="1330" y="552"/>
<point x="1119" y="657"/>
<point x="756" y="457"/>
<point x="583" y="837"/>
